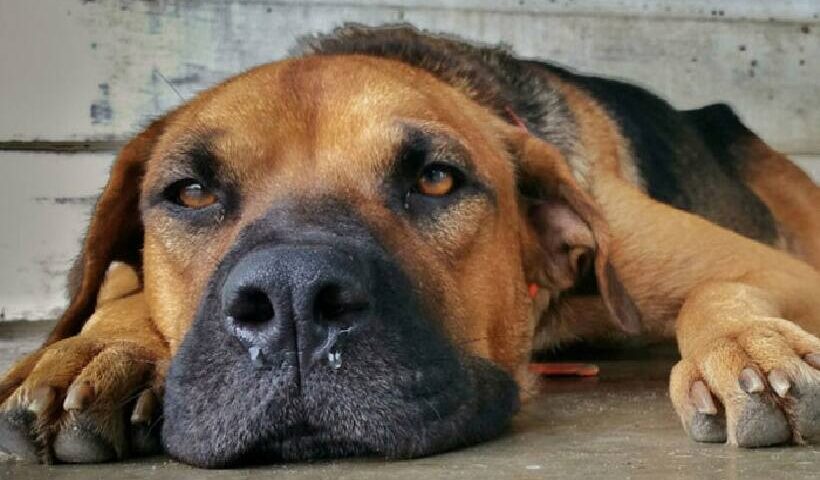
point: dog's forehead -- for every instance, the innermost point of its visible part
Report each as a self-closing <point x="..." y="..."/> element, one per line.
<point x="321" y="112"/>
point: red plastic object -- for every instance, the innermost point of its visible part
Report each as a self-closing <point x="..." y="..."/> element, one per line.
<point x="565" y="369"/>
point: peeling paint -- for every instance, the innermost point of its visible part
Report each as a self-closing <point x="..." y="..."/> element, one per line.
<point x="47" y="199"/>
<point x="87" y="200"/>
<point x="100" y="110"/>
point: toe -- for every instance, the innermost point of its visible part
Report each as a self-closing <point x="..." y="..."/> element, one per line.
<point x="804" y="406"/>
<point x="17" y="434"/>
<point x="707" y="424"/>
<point x="761" y="423"/>
<point x="78" y="442"/>
<point x="708" y="428"/>
<point x="145" y="425"/>
<point x="145" y="439"/>
<point x="702" y="417"/>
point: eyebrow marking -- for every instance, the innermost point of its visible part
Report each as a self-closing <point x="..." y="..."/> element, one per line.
<point x="195" y="156"/>
<point x="436" y="144"/>
<point x="203" y="161"/>
<point x="421" y="145"/>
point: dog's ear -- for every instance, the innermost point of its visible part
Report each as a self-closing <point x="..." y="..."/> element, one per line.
<point x="567" y="233"/>
<point x="115" y="232"/>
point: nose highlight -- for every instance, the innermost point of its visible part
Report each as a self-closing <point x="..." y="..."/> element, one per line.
<point x="296" y="303"/>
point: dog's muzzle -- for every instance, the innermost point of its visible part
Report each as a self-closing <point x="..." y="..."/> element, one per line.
<point x="311" y="340"/>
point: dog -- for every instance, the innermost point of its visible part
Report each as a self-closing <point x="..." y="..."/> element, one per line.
<point x="355" y="250"/>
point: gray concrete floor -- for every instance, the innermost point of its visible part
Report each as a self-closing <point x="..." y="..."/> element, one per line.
<point x="619" y="425"/>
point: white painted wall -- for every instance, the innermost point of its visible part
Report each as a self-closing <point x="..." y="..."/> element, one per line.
<point x="98" y="70"/>
<point x="64" y="59"/>
<point x="44" y="207"/>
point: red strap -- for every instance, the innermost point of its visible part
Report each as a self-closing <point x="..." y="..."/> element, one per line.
<point x="516" y="119"/>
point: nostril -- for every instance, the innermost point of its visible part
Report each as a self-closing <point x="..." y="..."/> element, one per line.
<point x="251" y="308"/>
<point x="334" y="302"/>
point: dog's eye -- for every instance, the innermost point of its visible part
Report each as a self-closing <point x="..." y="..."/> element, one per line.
<point x="194" y="195"/>
<point x="436" y="180"/>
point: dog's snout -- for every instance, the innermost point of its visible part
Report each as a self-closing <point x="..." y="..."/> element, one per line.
<point x="296" y="303"/>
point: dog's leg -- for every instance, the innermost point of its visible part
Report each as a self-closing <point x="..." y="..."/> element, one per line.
<point x="92" y="397"/>
<point x="746" y="318"/>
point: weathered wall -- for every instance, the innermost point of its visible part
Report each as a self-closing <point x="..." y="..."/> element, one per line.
<point x="84" y="75"/>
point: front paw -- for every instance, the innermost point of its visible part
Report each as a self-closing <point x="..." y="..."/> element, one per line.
<point x="754" y="388"/>
<point x="82" y="400"/>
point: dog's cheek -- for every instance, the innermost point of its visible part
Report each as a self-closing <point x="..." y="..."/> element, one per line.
<point x="173" y="285"/>
<point x="496" y="312"/>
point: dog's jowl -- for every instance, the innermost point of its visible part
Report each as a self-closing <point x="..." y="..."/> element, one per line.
<point x="355" y="250"/>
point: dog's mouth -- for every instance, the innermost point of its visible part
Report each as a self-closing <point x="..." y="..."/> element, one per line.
<point x="332" y="354"/>
<point x="385" y="397"/>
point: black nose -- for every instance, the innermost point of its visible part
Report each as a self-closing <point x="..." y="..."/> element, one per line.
<point x="295" y="305"/>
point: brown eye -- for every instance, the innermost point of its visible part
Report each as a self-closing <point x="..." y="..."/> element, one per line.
<point x="436" y="181"/>
<point x="194" y="195"/>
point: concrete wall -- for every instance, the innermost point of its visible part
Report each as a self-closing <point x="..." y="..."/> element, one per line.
<point x="82" y="76"/>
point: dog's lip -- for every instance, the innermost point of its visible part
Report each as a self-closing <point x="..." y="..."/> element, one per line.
<point x="302" y="439"/>
<point x="307" y="443"/>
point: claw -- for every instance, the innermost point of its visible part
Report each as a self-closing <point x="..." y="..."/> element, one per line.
<point x="145" y="408"/>
<point x="750" y="381"/>
<point x="702" y="398"/>
<point x="41" y="398"/>
<point x="779" y="382"/>
<point x="813" y="359"/>
<point x="79" y="396"/>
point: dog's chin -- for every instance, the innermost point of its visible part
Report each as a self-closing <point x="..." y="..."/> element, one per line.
<point x="402" y="391"/>
<point x="390" y="426"/>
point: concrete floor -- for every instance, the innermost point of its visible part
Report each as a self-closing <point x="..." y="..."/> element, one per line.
<point x="620" y="425"/>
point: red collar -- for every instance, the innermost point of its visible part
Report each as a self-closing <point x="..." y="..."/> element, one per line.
<point x="532" y="288"/>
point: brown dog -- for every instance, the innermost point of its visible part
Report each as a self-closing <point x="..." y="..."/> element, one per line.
<point x="334" y="254"/>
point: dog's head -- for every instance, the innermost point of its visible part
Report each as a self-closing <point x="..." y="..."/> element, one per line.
<point x="338" y="248"/>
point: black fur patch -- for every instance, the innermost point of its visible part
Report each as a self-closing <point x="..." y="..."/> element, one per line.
<point x="720" y="128"/>
<point x="683" y="161"/>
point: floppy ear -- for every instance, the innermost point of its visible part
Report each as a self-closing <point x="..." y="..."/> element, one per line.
<point x="568" y="230"/>
<point x="114" y="233"/>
